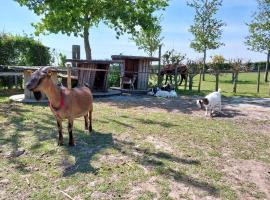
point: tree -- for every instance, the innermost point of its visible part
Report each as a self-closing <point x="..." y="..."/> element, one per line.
<point x="206" y="28"/>
<point x="193" y="70"/>
<point x="236" y="65"/>
<point x="77" y="17"/>
<point x="259" y="30"/>
<point x="149" y="40"/>
<point x="216" y="66"/>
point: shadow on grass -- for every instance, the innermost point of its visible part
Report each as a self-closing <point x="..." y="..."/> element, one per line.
<point x="156" y="161"/>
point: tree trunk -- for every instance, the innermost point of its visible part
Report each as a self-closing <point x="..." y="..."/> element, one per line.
<point x="258" y="79"/>
<point x="200" y="81"/>
<point x="87" y="48"/>
<point x="235" y="79"/>
<point x="267" y="67"/>
<point x="159" y="66"/>
<point x="217" y="81"/>
<point x="190" y="83"/>
<point x="204" y="63"/>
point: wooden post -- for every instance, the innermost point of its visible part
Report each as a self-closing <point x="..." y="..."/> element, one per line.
<point x="258" y="80"/>
<point x="75" y="54"/>
<point x="69" y="76"/>
<point x="267" y="66"/>
<point x="159" y="65"/>
<point x="16" y="82"/>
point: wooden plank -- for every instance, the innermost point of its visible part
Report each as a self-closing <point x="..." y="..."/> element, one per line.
<point x="11" y="73"/>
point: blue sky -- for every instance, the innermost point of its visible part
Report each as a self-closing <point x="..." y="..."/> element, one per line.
<point x="176" y="20"/>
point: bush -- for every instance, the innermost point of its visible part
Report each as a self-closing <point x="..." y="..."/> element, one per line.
<point x="114" y="76"/>
<point x="23" y="50"/>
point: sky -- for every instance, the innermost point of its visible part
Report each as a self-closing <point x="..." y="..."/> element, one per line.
<point x="176" y="21"/>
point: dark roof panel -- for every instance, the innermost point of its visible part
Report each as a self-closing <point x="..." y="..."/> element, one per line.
<point x="124" y="57"/>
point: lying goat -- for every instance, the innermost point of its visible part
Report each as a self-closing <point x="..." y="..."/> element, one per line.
<point x="167" y="91"/>
<point x="211" y="102"/>
<point x="64" y="103"/>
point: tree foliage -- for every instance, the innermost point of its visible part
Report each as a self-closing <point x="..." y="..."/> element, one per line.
<point x="23" y="50"/>
<point x="206" y="28"/>
<point x="76" y="17"/>
<point x="172" y="57"/>
<point x="259" y="28"/>
<point x="149" y="40"/>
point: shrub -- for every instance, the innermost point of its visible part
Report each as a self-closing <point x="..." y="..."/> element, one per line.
<point x="23" y="50"/>
<point x="114" y="76"/>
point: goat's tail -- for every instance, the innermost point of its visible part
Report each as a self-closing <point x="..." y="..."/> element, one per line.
<point x="219" y="90"/>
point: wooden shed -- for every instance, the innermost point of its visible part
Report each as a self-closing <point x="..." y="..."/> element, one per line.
<point x="136" y="68"/>
<point x="93" y="72"/>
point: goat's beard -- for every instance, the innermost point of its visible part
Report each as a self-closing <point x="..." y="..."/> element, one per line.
<point x="37" y="95"/>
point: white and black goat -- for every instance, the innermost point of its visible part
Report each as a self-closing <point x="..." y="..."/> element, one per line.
<point x="211" y="102"/>
<point x="167" y="91"/>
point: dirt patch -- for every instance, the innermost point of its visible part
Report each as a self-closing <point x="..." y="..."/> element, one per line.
<point x="235" y="107"/>
<point x="181" y="191"/>
<point x="250" y="178"/>
<point x="140" y="188"/>
<point x="160" y="145"/>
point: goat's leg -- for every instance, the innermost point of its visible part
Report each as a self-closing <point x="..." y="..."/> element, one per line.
<point x="166" y="79"/>
<point x="70" y="126"/>
<point x="86" y="125"/>
<point x="60" y="138"/>
<point x="90" y="121"/>
<point x="181" y="80"/>
<point x="171" y="79"/>
<point x="206" y="111"/>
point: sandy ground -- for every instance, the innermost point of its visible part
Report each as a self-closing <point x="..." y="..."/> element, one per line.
<point x="232" y="108"/>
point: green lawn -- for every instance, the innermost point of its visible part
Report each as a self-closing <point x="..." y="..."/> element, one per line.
<point x="247" y="85"/>
<point x="134" y="153"/>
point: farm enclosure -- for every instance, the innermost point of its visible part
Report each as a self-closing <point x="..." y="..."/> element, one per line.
<point x="142" y="147"/>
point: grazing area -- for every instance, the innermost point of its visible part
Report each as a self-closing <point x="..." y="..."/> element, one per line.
<point x="140" y="148"/>
<point x="246" y="85"/>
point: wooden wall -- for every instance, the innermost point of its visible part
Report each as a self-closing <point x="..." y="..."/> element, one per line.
<point x="90" y="77"/>
<point x="143" y="75"/>
<point x="140" y="68"/>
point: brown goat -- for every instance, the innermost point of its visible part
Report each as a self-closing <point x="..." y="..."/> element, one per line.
<point x="64" y="103"/>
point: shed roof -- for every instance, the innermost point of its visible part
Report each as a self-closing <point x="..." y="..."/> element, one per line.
<point x="93" y="61"/>
<point x="124" y="57"/>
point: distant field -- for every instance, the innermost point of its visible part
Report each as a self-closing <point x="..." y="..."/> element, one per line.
<point x="247" y="85"/>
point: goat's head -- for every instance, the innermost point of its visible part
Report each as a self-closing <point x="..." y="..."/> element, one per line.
<point x="202" y="102"/>
<point x="39" y="81"/>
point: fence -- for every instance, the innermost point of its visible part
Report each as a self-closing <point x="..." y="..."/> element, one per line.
<point x="248" y="83"/>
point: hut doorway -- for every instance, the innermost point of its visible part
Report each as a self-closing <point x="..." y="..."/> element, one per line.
<point x="131" y="71"/>
<point x="100" y="78"/>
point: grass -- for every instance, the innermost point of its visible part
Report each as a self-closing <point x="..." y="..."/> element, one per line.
<point x="246" y="87"/>
<point x="133" y="153"/>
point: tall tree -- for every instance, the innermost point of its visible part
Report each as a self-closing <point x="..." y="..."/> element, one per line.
<point x="77" y="17"/>
<point x="259" y="29"/>
<point x="207" y="30"/>
<point x="149" y="40"/>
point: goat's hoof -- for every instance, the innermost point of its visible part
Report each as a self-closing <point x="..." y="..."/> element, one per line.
<point x="60" y="143"/>
<point x="71" y="144"/>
